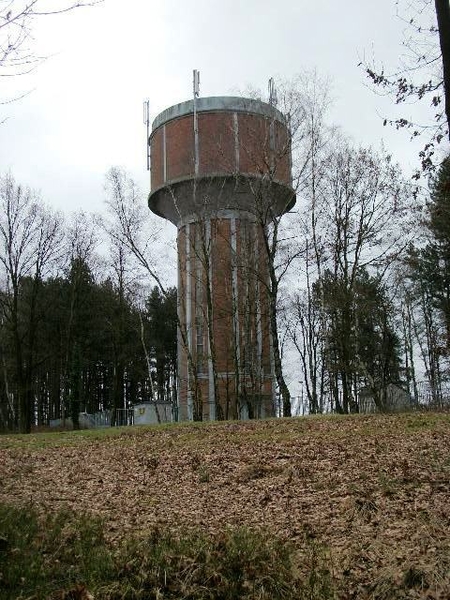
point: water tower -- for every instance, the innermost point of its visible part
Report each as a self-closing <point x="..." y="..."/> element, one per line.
<point x="221" y="172"/>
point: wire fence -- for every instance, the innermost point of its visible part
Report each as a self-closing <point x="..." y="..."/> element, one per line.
<point x="423" y="397"/>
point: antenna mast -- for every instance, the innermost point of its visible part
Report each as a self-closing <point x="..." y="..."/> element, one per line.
<point x="196" y="92"/>
<point x="146" y="119"/>
<point x="273" y="100"/>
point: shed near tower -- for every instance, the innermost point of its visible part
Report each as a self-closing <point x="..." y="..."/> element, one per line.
<point x="221" y="172"/>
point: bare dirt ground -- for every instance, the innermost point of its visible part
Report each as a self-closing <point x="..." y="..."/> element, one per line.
<point x="371" y="492"/>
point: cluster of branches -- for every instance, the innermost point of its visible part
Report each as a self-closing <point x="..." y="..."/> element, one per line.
<point x="364" y="323"/>
<point x="17" y="21"/>
<point x="372" y="309"/>
<point x="423" y="75"/>
<point x="356" y="219"/>
<point x="332" y="264"/>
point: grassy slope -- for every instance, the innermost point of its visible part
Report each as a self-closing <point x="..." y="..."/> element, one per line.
<point x="372" y="492"/>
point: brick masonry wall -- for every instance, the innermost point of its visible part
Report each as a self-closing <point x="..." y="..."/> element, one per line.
<point x="179" y="148"/>
<point x="216" y="143"/>
<point x="256" y="149"/>
<point x="157" y="159"/>
<point x="240" y="322"/>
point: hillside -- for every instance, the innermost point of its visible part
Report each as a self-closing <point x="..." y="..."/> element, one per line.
<point x="365" y="497"/>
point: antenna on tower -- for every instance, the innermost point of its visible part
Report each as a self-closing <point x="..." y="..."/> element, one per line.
<point x="273" y="100"/>
<point x="146" y="119"/>
<point x="196" y="91"/>
<point x="196" y="83"/>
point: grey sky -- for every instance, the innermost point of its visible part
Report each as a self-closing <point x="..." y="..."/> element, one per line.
<point x="85" y="113"/>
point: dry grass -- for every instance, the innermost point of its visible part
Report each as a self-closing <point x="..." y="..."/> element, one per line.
<point x="365" y="500"/>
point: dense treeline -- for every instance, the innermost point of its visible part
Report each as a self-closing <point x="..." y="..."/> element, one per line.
<point x="363" y="270"/>
<point x="73" y="338"/>
<point x="427" y="287"/>
<point x="87" y="355"/>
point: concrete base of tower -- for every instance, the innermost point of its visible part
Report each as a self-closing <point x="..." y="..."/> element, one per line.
<point x="224" y="347"/>
<point x="191" y="200"/>
<point x="226" y="403"/>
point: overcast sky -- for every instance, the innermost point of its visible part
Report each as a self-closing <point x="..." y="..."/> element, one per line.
<point x="85" y="113"/>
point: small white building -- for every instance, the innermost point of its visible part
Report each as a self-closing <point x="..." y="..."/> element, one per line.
<point x="152" y="413"/>
<point x="396" y="399"/>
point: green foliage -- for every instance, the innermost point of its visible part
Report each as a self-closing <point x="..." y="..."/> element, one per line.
<point x="233" y="564"/>
<point x="162" y="332"/>
<point x="46" y="556"/>
<point x="431" y="264"/>
<point x="361" y="342"/>
<point x="75" y="384"/>
<point x="439" y="207"/>
<point x="435" y="258"/>
<point x="162" y="316"/>
<point x="316" y="583"/>
<point x="86" y="353"/>
<point x="429" y="272"/>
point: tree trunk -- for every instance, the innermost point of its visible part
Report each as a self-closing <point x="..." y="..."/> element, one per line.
<point x="74" y="384"/>
<point x="443" y="20"/>
<point x="284" y="390"/>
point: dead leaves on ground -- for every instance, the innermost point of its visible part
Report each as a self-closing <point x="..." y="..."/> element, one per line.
<point x="374" y="490"/>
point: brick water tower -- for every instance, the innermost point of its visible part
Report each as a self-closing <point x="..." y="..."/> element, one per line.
<point x="221" y="172"/>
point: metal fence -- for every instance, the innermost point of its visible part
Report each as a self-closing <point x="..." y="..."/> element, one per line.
<point x="437" y="396"/>
<point x="124" y="416"/>
<point x="425" y="397"/>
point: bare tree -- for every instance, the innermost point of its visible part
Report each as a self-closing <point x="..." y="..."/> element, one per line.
<point x="205" y="358"/>
<point x="363" y="226"/>
<point x="17" y="19"/>
<point x="133" y="229"/>
<point x="303" y="101"/>
<point x="407" y="329"/>
<point x="30" y="242"/>
<point x="423" y="73"/>
<point x="311" y="153"/>
<point x="306" y="330"/>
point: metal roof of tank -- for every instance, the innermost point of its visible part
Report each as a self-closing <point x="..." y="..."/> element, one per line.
<point x="218" y="103"/>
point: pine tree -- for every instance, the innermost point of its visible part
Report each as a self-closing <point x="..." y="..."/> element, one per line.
<point x="436" y="256"/>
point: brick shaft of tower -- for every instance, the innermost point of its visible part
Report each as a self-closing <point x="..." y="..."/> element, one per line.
<point x="220" y="173"/>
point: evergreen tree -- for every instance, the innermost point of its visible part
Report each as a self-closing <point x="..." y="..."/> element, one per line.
<point x="436" y="256"/>
<point x="429" y="273"/>
<point x="162" y="333"/>
<point x="361" y="346"/>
